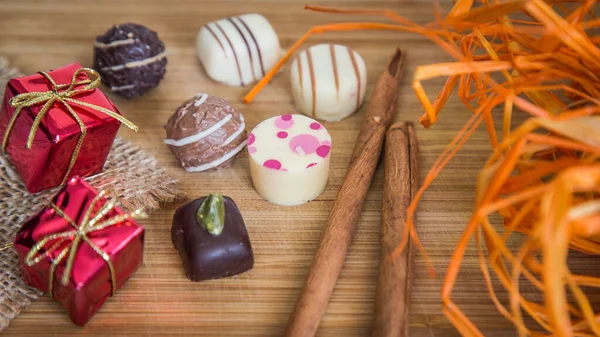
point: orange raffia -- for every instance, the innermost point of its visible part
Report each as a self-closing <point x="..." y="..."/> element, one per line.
<point x="516" y="56"/>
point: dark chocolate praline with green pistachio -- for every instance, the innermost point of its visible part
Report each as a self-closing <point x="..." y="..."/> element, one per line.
<point x="211" y="237"/>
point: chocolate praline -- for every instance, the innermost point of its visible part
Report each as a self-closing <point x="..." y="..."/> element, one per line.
<point x="205" y="133"/>
<point x="207" y="256"/>
<point x="130" y="58"/>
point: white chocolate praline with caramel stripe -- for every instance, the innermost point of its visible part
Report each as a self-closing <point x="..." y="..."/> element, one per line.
<point x="289" y="159"/>
<point x="328" y="81"/>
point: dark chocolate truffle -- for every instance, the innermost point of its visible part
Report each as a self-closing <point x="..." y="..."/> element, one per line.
<point x="211" y="248"/>
<point x="205" y="133"/>
<point x="130" y="59"/>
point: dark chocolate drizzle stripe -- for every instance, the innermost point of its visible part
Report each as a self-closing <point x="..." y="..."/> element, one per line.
<point x="299" y="62"/>
<point x="212" y="32"/>
<point x="313" y="83"/>
<point x="357" y="73"/>
<point x="262" y="67"/>
<point x="335" y="70"/>
<point x="247" y="47"/>
<point x="237" y="62"/>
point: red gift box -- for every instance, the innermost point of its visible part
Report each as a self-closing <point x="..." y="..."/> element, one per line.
<point x="55" y="153"/>
<point x="80" y="249"/>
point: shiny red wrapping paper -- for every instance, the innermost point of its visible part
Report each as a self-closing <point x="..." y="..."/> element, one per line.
<point x="89" y="283"/>
<point x="45" y="164"/>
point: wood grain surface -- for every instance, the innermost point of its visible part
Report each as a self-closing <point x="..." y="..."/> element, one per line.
<point x="159" y="300"/>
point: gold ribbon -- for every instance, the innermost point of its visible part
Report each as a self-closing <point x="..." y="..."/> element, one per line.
<point x="89" y="224"/>
<point x="58" y="93"/>
<point x="6" y="247"/>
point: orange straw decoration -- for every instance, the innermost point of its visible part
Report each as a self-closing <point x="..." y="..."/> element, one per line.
<point x="543" y="176"/>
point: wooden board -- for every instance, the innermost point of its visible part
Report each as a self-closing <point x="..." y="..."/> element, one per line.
<point x="159" y="300"/>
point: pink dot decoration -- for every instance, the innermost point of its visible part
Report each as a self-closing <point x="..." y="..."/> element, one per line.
<point x="323" y="150"/>
<point x="326" y="142"/>
<point x="311" y="165"/>
<point x="284" y="122"/>
<point x="272" y="164"/>
<point x="283" y="170"/>
<point x="282" y="134"/>
<point x="315" y="126"/>
<point x="251" y="149"/>
<point x="304" y="144"/>
<point x="251" y="139"/>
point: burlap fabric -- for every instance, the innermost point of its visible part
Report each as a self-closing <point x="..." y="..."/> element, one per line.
<point x="132" y="173"/>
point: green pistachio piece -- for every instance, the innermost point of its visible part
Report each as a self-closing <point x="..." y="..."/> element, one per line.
<point x="211" y="214"/>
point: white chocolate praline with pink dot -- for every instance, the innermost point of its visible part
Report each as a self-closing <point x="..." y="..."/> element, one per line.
<point x="289" y="159"/>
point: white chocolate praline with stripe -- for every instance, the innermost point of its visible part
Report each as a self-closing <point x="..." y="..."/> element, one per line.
<point x="328" y="81"/>
<point x="289" y="159"/>
<point x="238" y="50"/>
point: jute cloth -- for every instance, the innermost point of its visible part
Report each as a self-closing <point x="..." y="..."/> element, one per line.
<point x="132" y="173"/>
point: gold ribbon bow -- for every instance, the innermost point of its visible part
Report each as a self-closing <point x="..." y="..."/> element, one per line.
<point x="76" y="236"/>
<point x="58" y="93"/>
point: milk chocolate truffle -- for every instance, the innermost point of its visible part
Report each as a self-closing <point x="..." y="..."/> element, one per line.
<point x="205" y="133"/>
<point x="211" y="238"/>
<point x="130" y="58"/>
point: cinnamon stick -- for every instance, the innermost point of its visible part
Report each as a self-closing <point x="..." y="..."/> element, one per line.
<point x="348" y="204"/>
<point x="399" y="187"/>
